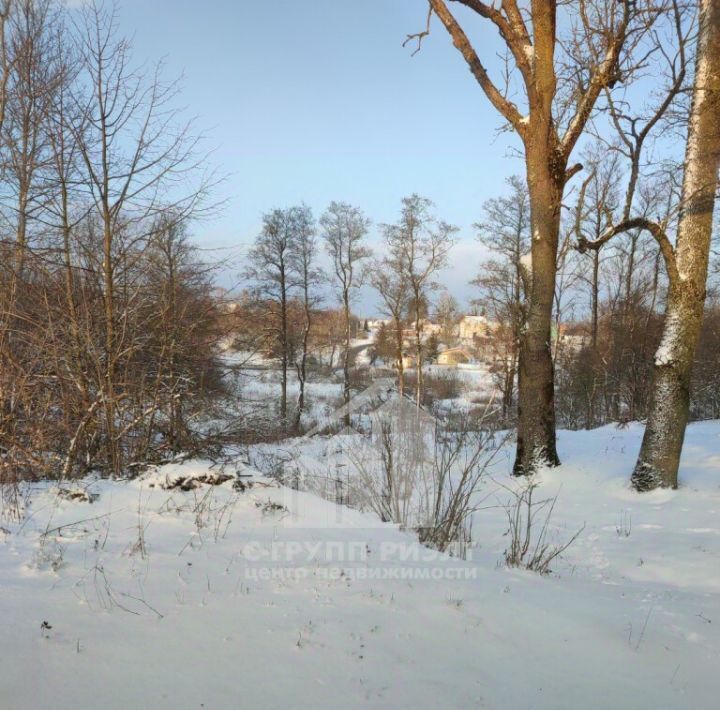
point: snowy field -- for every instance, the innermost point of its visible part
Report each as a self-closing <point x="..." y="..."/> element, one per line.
<point x="157" y="597"/>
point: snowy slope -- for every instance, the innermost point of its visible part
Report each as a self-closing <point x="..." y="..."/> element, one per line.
<point x="182" y="615"/>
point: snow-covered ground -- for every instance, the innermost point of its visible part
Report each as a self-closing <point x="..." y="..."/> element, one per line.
<point x="214" y="597"/>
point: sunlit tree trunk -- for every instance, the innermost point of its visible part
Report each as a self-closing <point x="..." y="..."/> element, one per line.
<point x="659" y="458"/>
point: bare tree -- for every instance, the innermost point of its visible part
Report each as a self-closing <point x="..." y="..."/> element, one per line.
<point x="37" y="73"/>
<point x="270" y="268"/>
<point x="561" y="82"/>
<point x="344" y="230"/>
<point x="447" y="313"/>
<point x="388" y="278"/>
<point x="138" y="156"/>
<point x="686" y="264"/>
<point x="106" y="346"/>
<point x="5" y="7"/>
<point x="505" y="230"/>
<point x="419" y="244"/>
<point x="309" y="276"/>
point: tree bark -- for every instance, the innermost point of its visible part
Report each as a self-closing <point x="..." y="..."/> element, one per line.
<point x="536" y="442"/>
<point x="419" y="384"/>
<point x="399" y="355"/>
<point x="284" y="359"/>
<point x="346" y="354"/>
<point x="659" y="458"/>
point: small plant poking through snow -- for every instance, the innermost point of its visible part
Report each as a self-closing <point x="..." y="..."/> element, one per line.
<point x="624" y="525"/>
<point x="190" y="483"/>
<point x="529" y="530"/>
<point x="78" y="495"/>
<point x="268" y="507"/>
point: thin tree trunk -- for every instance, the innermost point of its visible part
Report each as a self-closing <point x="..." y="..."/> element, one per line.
<point x="659" y="458"/>
<point x="109" y="306"/>
<point x="284" y="348"/>
<point x="509" y="386"/>
<point x="595" y="298"/>
<point x="418" y="355"/>
<point x="346" y="355"/>
<point x="399" y="356"/>
<point x="302" y="365"/>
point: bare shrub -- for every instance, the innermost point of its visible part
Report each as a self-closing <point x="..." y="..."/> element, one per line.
<point x="462" y="457"/>
<point x="410" y="469"/>
<point x="623" y="527"/>
<point x="531" y="546"/>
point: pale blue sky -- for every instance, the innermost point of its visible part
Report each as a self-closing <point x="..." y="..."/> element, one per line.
<point x="314" y="101"/>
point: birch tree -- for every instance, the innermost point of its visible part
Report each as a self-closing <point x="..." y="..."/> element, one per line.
<point x="686" y="263"/>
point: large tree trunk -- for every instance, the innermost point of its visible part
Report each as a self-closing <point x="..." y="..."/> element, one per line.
<point x="659" y="458"/>
<point x="536" y="390"/>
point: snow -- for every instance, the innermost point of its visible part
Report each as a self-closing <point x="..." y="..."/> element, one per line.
<point x="164" y="598"/>
<point x="666" y="352"/>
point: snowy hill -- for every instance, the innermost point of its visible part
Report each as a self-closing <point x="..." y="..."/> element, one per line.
<point x="168" y="592"/>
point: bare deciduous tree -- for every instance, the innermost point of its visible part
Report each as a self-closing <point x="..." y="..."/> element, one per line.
<point x="505" y="230"/>
<point x="344" y="230"/>
<point x="137" y="155"/>
<point x="309" y="276"/>
<point x="686" y="264"/>
<point x="389" y="280"/>
<point x="270" y="268"/>
<point x="419" y="245"/>
<point x="561" y="82"/>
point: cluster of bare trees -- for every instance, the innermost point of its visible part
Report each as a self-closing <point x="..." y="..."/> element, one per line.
<point x="107" y="324"/>
<point x="286" y="280"/>
<point x="578" y="68"/>
<point x="283" y="268"/>
<point x="417" y="247"/>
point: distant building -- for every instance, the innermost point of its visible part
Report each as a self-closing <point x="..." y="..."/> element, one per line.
<point x="408" y="361"/>
<point x="473" y="327"/>
<point x="573" y="336"/>
<point x="426" y="330"/>
<point x="454" y="356"/>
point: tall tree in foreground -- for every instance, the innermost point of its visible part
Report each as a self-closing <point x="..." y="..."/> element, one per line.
<point x="560" y="93"/>
<point x="687" y="267"/>
<point x="344" y="229"/>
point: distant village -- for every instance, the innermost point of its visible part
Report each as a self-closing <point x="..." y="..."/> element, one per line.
<point x="469" y="340"/>
<point x="458" y="341"/>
